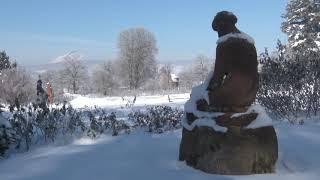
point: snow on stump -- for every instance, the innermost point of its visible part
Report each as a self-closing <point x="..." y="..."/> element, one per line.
<point x="234" y="143"/>
<point x="229" y="148"/>
<point x="238" y="141"/>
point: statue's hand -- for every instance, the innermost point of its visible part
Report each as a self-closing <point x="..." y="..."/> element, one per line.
<point x="226" y="77"/>
<point x="217" y="83"/>
<point x="202" y="105"/>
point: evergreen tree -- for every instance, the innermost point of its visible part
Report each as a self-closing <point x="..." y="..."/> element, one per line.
<point x="5" y="61"/>
<point x="302" y="24"/>
<point x="290" y="81"/>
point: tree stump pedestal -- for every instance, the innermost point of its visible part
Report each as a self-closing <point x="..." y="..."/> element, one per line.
<point x="237" y="151"/>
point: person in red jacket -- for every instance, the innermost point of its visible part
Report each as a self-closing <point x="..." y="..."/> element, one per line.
<point x="49" y="92"/>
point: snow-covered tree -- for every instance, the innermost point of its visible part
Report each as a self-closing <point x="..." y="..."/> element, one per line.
<point x="302" y="24"/>
<point x="16" y="86"/>
<point x="103" y="77"/>
<point x="290" y="81"/>
<point x="5" y="61"/>
<point x="165" y="75"/>
<point x="74" y="73"/>
<point x="288" y="85"/>
<point x="202" y="66"/>
<point x="137" y="55"/>
<point x="197" y="72"/>
<point x="15" y="83"/>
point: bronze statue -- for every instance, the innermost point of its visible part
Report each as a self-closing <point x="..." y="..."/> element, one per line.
<point x="231" y="91"/>
<point x="234" y="84"/>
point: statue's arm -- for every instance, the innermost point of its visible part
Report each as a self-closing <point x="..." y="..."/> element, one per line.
<point x="222" y="71"/>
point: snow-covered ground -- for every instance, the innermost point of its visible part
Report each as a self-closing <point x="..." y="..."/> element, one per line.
<point x="147" y="156"/>
<point x="118" y="102"/>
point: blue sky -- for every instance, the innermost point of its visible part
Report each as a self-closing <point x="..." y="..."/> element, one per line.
<point x="38" y="31"/>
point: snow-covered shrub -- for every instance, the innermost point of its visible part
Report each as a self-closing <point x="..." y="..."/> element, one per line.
<point x="96" y="126"/>
<point x="164" y="118"/>
<point x="5" y="134"/>
<point x="23" y="128"/>
<point x="157" y="119"/>
<point x="102" y="122"/>
<point x="289" y="81"/>
<point x="32" y="124"/>
<point x="4" y="140"/>
<point x="119" y="126"/>
<point x="139" y="118"/>
<point x="289" y="84"/>
<point x="71" y="121"/>
<point x="28" y="125"/>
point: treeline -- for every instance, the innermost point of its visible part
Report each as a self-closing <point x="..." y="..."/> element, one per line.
<point x="112" y="78"/>
<point x="134" y="71"/>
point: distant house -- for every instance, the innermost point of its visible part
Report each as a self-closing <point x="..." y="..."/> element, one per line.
<point x="168" y="81"/>
<point x="174" y="80"/>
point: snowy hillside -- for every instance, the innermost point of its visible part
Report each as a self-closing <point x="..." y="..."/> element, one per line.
<point x="141" y="155"/>
<point x="74" y="55"/>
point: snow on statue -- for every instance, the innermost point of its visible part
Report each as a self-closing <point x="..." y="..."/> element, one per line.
<point x="223" y="132"/>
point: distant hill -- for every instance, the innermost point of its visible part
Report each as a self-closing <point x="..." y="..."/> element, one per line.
<point x="58" y="63"/>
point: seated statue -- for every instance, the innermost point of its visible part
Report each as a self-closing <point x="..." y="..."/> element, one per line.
<point x="234" y="83"/>
<point x="223" y="132"/>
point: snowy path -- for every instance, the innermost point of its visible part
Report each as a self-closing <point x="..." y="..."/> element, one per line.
<point x="144" y="156"/>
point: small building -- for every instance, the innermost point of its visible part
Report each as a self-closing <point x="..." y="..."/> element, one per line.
<point x="174" y="80"/>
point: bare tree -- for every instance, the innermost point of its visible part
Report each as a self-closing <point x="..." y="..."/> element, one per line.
<point x="188" y="78"/>
<point x="197" y="72"/>
<point x="104" y="79"/>
<point x="137" y="55"/>
<point x="165" y="76"/>
<point x="75" y="72"/>
<point x="16" y="86"/>
<point x="202" y="67"/>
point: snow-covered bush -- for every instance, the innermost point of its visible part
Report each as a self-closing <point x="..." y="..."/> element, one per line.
<point x="289" y="84"/>
<point x="4" y="140"/>
<point x="31" y="124"/>
<point x="157" y="119"/>
<point x="23" y="129"/>
<point x="102" y="122"/>
<point x="5" y="134"/>
<point x="115" y="126"/>
<point x="25" y="126"/>
<point x="71" y="121"/>
<point x="4" y="137"/>
<point x="96" y="126"/>
<point x="289" y="81"/>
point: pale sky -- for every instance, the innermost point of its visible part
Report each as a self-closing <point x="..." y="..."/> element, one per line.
<point x="38" y="31"/>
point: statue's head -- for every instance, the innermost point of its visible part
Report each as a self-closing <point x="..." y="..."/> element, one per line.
<point x="224" y="22"/>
